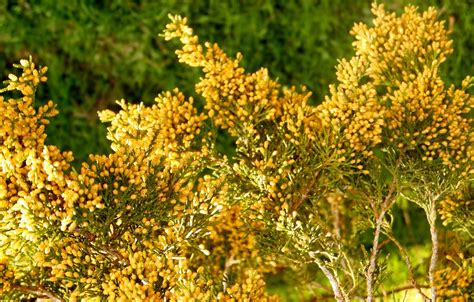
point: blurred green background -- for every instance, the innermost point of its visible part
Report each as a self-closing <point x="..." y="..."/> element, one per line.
<point x="101" y="51"/>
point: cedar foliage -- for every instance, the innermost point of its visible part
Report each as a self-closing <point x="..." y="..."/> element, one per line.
<point x="165" y="216"/>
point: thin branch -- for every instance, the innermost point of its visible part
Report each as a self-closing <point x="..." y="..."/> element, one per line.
<point x="386" y="204"/>
<point x="351" y="272"/>
<point x="373" y="258"/>
<point x="384" y="243"/>
<point x="396" y="290"/>
<point x="305" y="194"/>
<point x="336" y="218"/>
<point x="336" y="287"/>
<point x="106" y="250"/>
<point x="431" y="215"/>
<point x="405" y="256"/>
<point x="38" y="291"/>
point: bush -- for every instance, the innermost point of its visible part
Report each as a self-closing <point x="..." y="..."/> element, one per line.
<point x="90" y="46"/>
<point x="315" y="191"/>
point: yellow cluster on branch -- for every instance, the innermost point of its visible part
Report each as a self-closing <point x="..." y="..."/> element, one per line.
<point x="167" y="129"/>
<point x="236" y="100"/>
<point x="456" y="282"/>
<point x="126" y="225"/>
<point x="390" y="93"/>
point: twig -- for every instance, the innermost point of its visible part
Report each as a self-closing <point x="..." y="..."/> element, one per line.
<point x="336" y="287"/>
<point x="373" y="258"/>
<point x="305" y="195"/>
<point x="384" y="243"/>
<point x="387" y="203"/>
<point x="347" y="265"/>
<point x="117" y="258"/>
<point x="38" y="291"/>
<point x="431" y="215"/>
<point x="336" y="218"/>
<point x="406" y="287"/>
<point x="405" y="256"/>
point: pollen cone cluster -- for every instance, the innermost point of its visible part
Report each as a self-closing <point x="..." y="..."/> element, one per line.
<point x="391" y="94"/>
<point x="143" y="223"/>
